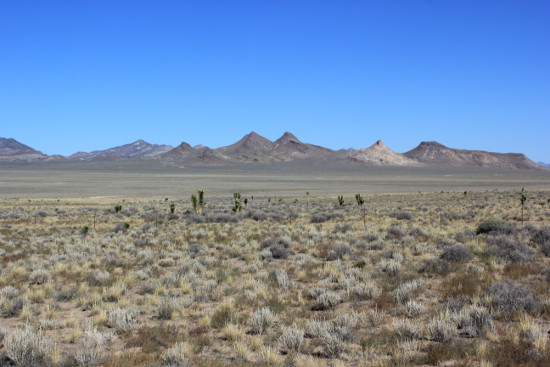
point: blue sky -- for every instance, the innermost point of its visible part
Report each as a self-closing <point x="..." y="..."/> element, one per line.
<point x="93" y="74"/>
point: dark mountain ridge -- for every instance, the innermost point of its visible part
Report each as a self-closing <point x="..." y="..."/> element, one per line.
<point x="12" y="150"/>
<point x="432" y="152"/>
<point x="254" y="148"/>
<point x="137" y="149"/>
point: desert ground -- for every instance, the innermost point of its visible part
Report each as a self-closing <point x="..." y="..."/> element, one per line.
<point x="155" y="179"/>
<point x="119" y="266"/>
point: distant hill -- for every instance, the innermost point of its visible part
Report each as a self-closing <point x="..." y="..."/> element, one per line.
<point x="289" y="147"/>
<point x="545" y="165"/>
<point x="137" y="149"/>
<point x="254" y="148"/>
<point x="432" y="152"/>
<point x="12" y="150"/>
<point x="251" y="148"/>
<point x="379" y="154"/>
<point x="186" y="155"/>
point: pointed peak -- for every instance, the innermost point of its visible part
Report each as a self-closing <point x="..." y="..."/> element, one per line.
<point x="184" y="146"/>
<point x="380" y="143"/>
<point x="288" y="137"/>
<point x="254" y="136"/>
<point x="140" y="141"/>
<point x="379" y="146"/>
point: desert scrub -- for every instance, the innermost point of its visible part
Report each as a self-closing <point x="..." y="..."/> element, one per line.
<point x="40" y="276"/>
<point x="440" y="329"/>
<point x="215" y="272"/>
<point x="166" y="308"/>
<point x="11" y="303"/>
<point x="375" y="317"/>
<point x="99" y="278"/>
<point x="223" y="315"/>
<point x="26" y="347"/>
<point x="339" y="252"/>
<point x="541" y="238"/>
<point x="334" y="344"/>
<point x="510" y="250"/>
<point x="366" y="291"/>
<point x="280" y="278"/>
<point x="407" y="329"/>
<point x="490" y="226"/>
<point x="123" y="319"/>
<point x="395" y="232"/>
<point x="473" y="321"/>
<point x="407" y="290"/>
<point x="511" y="296"/>
<point x="327" y="301"/>
<point x="414" y="309"/>
<point x="402" y="215"/>
<point x="291" y="339"/>
<point x="261" y="320"/>
<point x="176" y="356"/>
<point x="391" y="267"/>
<point x="92" y="348"/>
<point x="457" y="253"/>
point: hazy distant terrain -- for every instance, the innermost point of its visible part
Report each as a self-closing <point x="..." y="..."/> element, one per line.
<point x="145" y="178"/>
<point x="253" y="149"/>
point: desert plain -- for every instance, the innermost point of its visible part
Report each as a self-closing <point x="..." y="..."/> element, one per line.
<point x="113" y="264"/>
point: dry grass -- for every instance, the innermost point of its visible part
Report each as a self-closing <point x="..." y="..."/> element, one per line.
<point x="285" y="281"/>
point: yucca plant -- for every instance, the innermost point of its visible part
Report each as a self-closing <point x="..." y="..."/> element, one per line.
<point x="360" y="202"/>
<point x="522" y="200"/>
<point x="198" y="201"/>
<point x="341" y="200"/>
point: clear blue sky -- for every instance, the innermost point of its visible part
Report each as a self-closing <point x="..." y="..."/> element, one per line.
<point x="93" y="74"/>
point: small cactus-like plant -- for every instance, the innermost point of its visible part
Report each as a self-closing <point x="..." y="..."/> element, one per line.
<point x="201" y="198"/>
<point x="198" y="201"/>
<point x="237" y="206"/>
<point x="522" y="200"/>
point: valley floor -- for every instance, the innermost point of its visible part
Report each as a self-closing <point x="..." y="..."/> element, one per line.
<point x="455" y="278"/>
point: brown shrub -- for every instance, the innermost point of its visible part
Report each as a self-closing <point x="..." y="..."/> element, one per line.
<point x="152" y="339"/>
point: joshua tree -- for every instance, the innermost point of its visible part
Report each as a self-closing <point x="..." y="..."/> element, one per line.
<point x="198" y="202"/>
<point x="201" y="198"/>
<point x="172" y="208"/>
<point x="245" y="201"/>
<point x="522" y="199"/>
<point x="360" y="202"/>
<point x="195" y="203"/>
<point x="307" y="194"/>
<point x="341" y="200"/>
<point x="118" y="208"/>
<point x="237" y="206"/>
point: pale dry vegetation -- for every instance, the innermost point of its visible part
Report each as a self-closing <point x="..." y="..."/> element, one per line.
<point x="432" y="279"/>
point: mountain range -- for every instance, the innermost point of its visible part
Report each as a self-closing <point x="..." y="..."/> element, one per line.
<point x="254" y="148"/>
